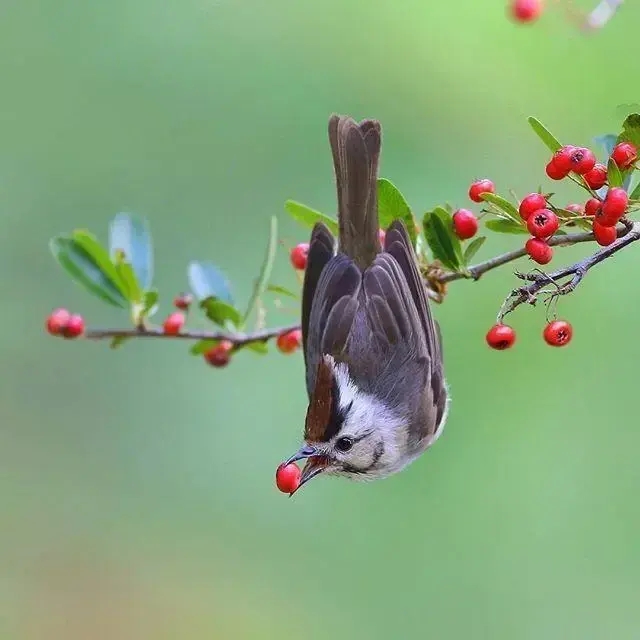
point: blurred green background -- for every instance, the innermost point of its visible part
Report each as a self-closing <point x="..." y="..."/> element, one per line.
<point x="137" y="486"/>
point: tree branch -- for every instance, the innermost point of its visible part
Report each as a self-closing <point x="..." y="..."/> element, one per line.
<point x="538" y="280"/>
<point x="238" y="339"/>
<point x="576" y="272"/>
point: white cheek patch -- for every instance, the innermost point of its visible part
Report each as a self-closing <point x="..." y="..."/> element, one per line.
<point x="366" y="413"/>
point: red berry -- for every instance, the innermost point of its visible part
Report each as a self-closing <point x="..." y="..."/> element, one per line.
<point x="531" y="203"/>
<point x="578" y="209"/>
<point x="290" y="341"/>
<point x="604" y="235"/>
<point x="465" y="224"/>
<point x="381" y="236"/>
<point x="582" y="160"/>
<point x="614" y="207"/>
<point x="555" y="172"/>
<point x="299" y="256"/>
<point x="57" y="321"/>
<point x="592" y="206"/>
<point x="173" y="323"/>
<point x="479" y="187"/>
<point x="75" y="327"/>
<point x="526" y="10"/>
<point x="220" y="355"/>
<point x="562" y="159"/>
<point x="288" y="478"/>
<point x="183" y="301"/>
<point x="542" y="223"/>
<point x="597" y="177"/>
<point x="500" y="337"/>
<point x="624" y="154"/>
<point x="558" y="333"/>
<point x="539" y="251"/>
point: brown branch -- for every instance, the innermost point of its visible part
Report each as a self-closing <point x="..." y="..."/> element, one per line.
<point x="576" y="272"/>
<point x="626" y="235"/>
<point x="479" y="269"/>
<point x="238" y="339"/>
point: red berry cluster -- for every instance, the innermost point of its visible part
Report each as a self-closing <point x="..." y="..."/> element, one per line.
<point x="465" y="222"/>
<point x="67" y="325"/>
<point x="556" y="334"/>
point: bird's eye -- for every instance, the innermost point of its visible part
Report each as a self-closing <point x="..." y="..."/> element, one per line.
<point x="344" y="444"/>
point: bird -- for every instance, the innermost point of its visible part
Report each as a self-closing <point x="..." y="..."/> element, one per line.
<point x="377" y="394"/>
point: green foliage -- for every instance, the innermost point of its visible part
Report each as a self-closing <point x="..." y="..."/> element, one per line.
<point x="392" y="205"/>
<point x="86" y="269"/>
<point x="544" y="134"/>
<point x="130" y="235"/>
<point x="472" y="248"/>
<point x="614" y="175"/>
<point x="308" y="216"/>
<point x="444" y="244"/>
<point x="630" y="130"/>
<point x="505" y="208"/>
<point x="262" y="281"/>
<point x="505" y="225"/>
<point x="208" y="281"/>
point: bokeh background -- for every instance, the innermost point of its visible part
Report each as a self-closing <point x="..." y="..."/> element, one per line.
<point x="137" y="486"/>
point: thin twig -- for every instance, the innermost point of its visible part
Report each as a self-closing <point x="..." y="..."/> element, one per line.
<point x="238" y="339"/>
<point x="576" y="272"/>
<point x="479" y="269"/>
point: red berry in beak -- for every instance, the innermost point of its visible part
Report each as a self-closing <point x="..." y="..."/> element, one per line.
<point x="288" y="478"/>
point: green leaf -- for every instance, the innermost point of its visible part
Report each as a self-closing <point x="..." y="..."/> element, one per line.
<point x="504" y="225"/>
<point x="118" y="341"/>
<point x="84" y="269"/>
<point x="265" y="271"/>
<point x="282" y="291"/>
<point x="202" y="346"/>
<point x="308" y="216"/>
<point x="607" y="142"/>
<point x="208" y="281"/>
<point x="221" y="313"/>
<point x="392" y="205"/>
<point x="149" y="303"/>
<point x="260" y="347"/>
<point x="631" y="130"/>
<point x="544" y="134"/>
<point x="130" y="234"/>
<point x="128" y="278"/>
<point x="444" y="244"/>
<point x="614" y="175"/>
<point x="635" y="195"/>
<point x="503" y="205"/>
<point x="472" y="248"/>
<point x="100" y="256"/>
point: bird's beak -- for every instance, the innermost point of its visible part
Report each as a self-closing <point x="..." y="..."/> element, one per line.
<point x="315" y="464"/>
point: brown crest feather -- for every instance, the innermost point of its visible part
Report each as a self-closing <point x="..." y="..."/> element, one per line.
<point x="319" y="411"/>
